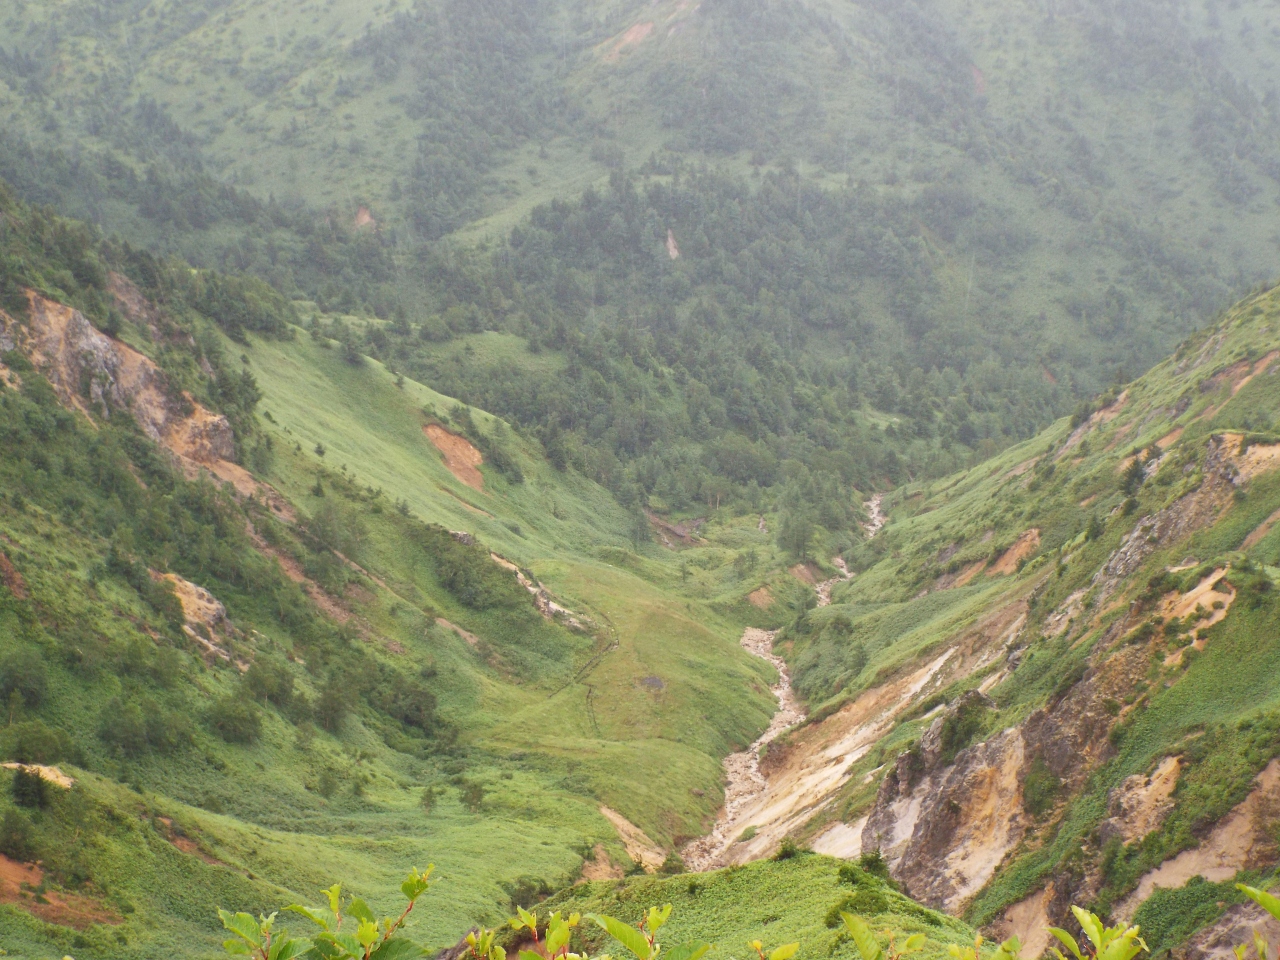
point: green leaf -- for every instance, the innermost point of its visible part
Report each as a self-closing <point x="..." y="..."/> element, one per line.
<point x="530" y="955"/>
<point x="1092" y="927"/>
<point x="328" y="948"/>
<point x="625" y="934"/>
<point x="236" y="947"/>
<point x="243" y="926"/>
<point x="416" y="884"/>
<point x="687" y="951"/>
<point x="557" y="937"/>
<point x="321" y="918"/>
<point x="914" y="942"/>
<point x="1068" y="941"/>
<point x="1262" y="898"/>
<point x="367" y="933"/>
<point x="398" y="948"/>
<point x="349" y="943"/>
<point x="360" y="910"/>
<point x="334" y="894"/>
<point x="863" y="938"/>
<point x="287" y="948"/>
<point x="785" y="952"/>
<point x="657" y="918"/>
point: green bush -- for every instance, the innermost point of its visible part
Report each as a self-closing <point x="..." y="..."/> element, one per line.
<point x="30" y="789"/>
<point x="34" y="742"/>
<point x="865" y="903"/>
<point x="16" y="836"/>
<point x="135" y="727"/>
<point x="23" y="673"/>
<point x="235" y="720"/>
<point x="269" y="681"/>
<point x="1040" y="789"/>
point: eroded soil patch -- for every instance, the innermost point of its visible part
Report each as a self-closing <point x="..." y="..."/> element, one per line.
<point x="18" y="885"/>
<point x="460" y="456"/>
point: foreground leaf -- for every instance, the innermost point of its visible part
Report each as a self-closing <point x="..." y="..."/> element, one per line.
<point x="625" y="934"/>
<point x="863" y="938"/>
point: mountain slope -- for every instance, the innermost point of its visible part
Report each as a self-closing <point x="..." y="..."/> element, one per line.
<point x="264" y="671"/>
<point x="1056" y="672"/>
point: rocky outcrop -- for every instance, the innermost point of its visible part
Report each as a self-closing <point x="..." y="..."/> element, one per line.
<point x="1242" y="840"/>
<point x="97" y="374"/>
<point x="100" y="376"/>
<point x="1188" y="513"/>
<point x="204" y="615"/>
<point x="1140" y="804"/>
<point x="945" y="829"/>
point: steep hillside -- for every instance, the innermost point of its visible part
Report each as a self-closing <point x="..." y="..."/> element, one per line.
<point x="270" y="617"/>
<point x="1053" y="678"/>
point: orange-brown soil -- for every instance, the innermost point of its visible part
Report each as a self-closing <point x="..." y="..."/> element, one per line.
<point x="462" y="459"/>
<point x="18" y="884"/>
<point x="1022" y="548"/>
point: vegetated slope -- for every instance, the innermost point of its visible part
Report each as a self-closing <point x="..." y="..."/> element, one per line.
<point x="1056" y="673"/>
<point x="887" y="190"/>
<point x="264" y="672"/>
<point x="793" y="900"/>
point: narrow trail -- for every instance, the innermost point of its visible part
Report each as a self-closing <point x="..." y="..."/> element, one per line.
<point x="744" y="783"/>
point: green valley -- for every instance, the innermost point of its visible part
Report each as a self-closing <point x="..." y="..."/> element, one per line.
<point x="809" y="465"/>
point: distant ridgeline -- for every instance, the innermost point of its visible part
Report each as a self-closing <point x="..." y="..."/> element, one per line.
<point x="866" y="239"/>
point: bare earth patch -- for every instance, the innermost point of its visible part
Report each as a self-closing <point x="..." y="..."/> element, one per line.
<point x="633" y="36"/>
<point x="1205" y="601"/>
<point x="47" y="774"/>
<point x="642" y="850"/>
<point x="1022" y="548"/>
<point x="1260" y="531"/>
<point x="805" y="573"/>
<point x="17" y="886"/>
<point x="1140" y="804"/>
<point x="1028" y="920"/>
<point x="761" y="599"/>
<point x="600" y="867"/>
<point x="462" y="459"/>
<point x="1239" y="841"/>
<point x="1259" y="459"/>
<point x="843" y="840"/>
<point x="11" y="578"/>
<point x="471" y="638"/>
